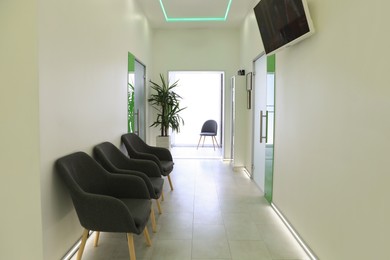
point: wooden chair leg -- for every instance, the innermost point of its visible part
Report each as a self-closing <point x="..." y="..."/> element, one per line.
<point x="95" y="244"/>
<point x="170" y="182"/>
<point x="158" y="206"/>
<point x="200" y="138"/>
<point x="130" y="243"/>
<point x="147" y="237"/>
<point x="216" y="141"/>
<point x="153" y="220"/>
<point x="82" y="245"/>
<point x="212" y="139"/>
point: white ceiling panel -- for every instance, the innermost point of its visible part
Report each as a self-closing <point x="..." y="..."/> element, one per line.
<point x="199" y="8"/>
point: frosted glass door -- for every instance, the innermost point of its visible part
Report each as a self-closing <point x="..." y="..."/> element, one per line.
<point x="259" y="120"/>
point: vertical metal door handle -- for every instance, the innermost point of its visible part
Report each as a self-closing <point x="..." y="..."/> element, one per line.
<point x="137" y="119"/>
<point x="266" y="127"/>
<point x="261" y="126"/>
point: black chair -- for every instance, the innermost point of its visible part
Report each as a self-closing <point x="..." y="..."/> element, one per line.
<point x="138" y="149"/>
<point x="114" y="160"/>
<point x="105" y="202"/>
<point x="209" y="128"/>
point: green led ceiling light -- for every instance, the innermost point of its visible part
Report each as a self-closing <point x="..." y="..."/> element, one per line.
<point x="194" y="19"/>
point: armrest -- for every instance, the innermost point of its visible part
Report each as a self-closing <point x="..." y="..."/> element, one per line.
<point x="103" y="213"/>
<point x="148" y="167"/>
<point x="150" y="157"/>
<point x="144" y="177"/>
<point x="127" y="186"/>
<point x="162" y="153"/>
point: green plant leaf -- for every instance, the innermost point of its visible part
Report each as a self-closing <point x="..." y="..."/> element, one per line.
<point x="167" y="103"/>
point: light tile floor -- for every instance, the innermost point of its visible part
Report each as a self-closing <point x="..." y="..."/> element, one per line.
<point x="191" y="152"/>
<point x="213" y="213"/>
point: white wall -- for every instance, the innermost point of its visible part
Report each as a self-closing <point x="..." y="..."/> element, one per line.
<point x="241" y="124"/>
<point x="197" y="49"/>
<point x="251" y="47"/>
<point x="332" y="119"/>
<point x="20" y="218"/>
<point x="83" y="49"/>
<point x="332" y="131"/>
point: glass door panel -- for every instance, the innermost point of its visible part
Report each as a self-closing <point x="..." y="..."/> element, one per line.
<point x="259" y="120"/>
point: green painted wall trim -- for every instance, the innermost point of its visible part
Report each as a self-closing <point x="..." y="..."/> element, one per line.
<point x="269" y="158"/>
<point x="130" y="62"/>
<point x="271" y="63"/>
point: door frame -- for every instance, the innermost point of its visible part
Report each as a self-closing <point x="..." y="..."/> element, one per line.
<point x="139" y="103"/>
<point x="269" y="153"/>
<point x="141" y="123"/>
<point x="221" y="126"/>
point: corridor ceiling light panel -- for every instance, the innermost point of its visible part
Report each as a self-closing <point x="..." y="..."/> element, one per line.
<point x="169" y="18"/>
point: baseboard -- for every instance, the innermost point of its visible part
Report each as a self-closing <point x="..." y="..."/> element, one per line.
<point x="238" y="168"/>
<point x="296" y="235"/>
<point x="73" y="250"/>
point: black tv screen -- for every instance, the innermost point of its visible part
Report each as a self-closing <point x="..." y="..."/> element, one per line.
<point x="282" y="23"/>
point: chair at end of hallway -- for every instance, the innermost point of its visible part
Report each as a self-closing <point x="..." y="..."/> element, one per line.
<point x="209" y="128"/>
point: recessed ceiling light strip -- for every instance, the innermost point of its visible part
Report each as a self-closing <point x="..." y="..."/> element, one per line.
<point x="194" y="19"/>
<point x="228" y="9"/>
<point x="163" y="9"/>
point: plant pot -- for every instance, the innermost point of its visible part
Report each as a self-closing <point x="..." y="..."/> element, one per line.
<point x="163" y="141"/>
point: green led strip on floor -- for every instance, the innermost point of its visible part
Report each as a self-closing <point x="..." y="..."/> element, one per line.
<point x="194" y="19"/>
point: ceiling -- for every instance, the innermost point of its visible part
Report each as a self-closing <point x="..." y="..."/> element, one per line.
<point x="206" y="13"/>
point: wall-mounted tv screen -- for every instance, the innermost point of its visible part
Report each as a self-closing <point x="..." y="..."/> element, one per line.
<point x="282" y="23"/>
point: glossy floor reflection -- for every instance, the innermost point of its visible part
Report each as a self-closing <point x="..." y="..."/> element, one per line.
<point x="213" y="213"/>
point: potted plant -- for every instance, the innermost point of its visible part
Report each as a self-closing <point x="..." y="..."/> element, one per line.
<point x="167" y="104"/>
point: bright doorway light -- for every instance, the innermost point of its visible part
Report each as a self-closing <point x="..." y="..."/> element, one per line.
<point x="202" y="97"/>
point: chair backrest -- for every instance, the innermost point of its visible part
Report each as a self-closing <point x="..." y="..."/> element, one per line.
<point x="110" y="157"/>
<point x="134" y="144"/>
<point x="210" y="126"/>
<point x="82" y="173"/>
<point x="88" y="185"/>
<point x="113" y="160"/>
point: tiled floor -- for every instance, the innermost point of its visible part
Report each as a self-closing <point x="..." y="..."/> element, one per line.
<point x="193" y="152"/>
<point x="213" y="213"/>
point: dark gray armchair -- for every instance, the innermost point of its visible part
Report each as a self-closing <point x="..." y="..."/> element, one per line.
<point x="114" y="160"/>
<point x="138" y="149"/>
<point x="105" y="202"/>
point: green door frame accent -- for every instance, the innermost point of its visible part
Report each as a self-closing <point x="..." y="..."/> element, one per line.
<point x="271" y="64"/>
<point x="269" y="153"/>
